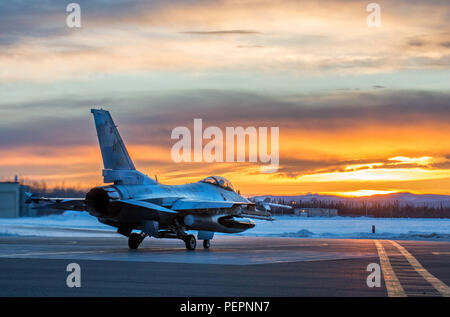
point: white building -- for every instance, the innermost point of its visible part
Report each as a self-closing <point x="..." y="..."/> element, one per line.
<point x="315" y="212"/>
<point x="12" y="200"/>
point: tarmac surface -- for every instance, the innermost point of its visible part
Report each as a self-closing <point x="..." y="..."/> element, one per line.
<point x="233" y="266"/>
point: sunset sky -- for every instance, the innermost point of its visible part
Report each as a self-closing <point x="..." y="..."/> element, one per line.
<point x="360" y="110"/>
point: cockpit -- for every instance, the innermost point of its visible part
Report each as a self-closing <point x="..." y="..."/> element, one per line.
<point x="219" y="181"/>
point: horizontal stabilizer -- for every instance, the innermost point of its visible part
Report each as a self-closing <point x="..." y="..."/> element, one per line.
<point x="77" y="204"/>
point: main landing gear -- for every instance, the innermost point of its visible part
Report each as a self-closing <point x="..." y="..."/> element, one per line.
<point x="135" y="239"/>
<point x="191" y="243"/>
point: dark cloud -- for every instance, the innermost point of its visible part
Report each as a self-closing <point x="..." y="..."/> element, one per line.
<point x="443" y="165"/>
<point x="416" y="42"/>
<point x="22" y="20"/>
<point x="49" y="131"/>
<point x="221" y="32"/>
<point x="430" y="41"/>
<point x="150" y="119"/>
<point x="294" y="167"/>
<point x="319" y="111"/>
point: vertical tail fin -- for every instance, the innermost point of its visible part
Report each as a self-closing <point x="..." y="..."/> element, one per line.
<point x="114" y="152"/>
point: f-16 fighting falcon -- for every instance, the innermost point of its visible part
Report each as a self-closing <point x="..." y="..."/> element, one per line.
<point x="136" y="202"/>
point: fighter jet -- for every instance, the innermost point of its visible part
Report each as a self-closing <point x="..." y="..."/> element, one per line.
<point x="135" y="202"/>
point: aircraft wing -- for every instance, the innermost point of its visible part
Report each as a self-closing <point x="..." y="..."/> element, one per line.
<point x="78" y="204"/>
<point x="278" y="205"/>
<point x="189" y="204"/>
<point x="136" y="209"/>
<point x="266" y="205"/>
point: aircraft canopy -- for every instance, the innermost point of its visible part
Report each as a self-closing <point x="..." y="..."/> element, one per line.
<point x="219" y="181"/>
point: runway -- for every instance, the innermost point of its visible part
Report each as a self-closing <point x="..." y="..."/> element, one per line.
<point x="234" y="266"/>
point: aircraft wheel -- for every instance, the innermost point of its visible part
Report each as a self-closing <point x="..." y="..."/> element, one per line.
<point x="134" y="240"/>
<point x="190" y="242"/>
<point x="206" y="244"/>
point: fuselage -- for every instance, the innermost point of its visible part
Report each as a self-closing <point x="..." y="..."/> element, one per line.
<point x="170" y="193"/>
<point x="197" y="206"/>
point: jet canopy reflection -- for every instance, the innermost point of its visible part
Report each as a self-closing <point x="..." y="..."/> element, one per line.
<point x="219" y="181"/>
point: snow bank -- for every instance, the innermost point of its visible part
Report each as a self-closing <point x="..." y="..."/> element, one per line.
<point x="70" y="223"/>
<point x="73" y="223"/>
<point x="353" y="227"/>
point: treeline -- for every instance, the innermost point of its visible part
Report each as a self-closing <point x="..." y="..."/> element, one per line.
<point x="40" y="188"/>
<point x="377" y="209"/>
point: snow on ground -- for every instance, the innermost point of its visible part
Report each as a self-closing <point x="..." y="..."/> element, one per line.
<point x="70" y="223"/>
<point x="353" y="227"/>
<point x="73" y="223"/>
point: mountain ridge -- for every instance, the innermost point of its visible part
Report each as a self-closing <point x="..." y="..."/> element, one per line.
<point x="401" y="197"/>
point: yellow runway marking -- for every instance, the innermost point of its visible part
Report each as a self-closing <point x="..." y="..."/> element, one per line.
<point x="393" y="285"/>
<point x="437" y="284"/>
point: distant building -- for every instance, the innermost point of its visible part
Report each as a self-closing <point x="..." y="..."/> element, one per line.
<point x="315" y="212"/>
<point x="12" y="200"/>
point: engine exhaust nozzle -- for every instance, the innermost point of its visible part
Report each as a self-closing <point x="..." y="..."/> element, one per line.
<point x="97" y="201"/>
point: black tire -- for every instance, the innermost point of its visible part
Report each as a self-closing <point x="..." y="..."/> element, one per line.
<point x="134" y="240"/>
<point x="206" y="244"/>
<point x="190" y="242"/>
